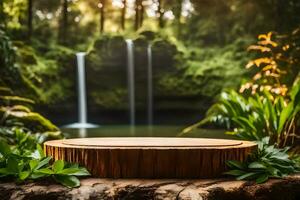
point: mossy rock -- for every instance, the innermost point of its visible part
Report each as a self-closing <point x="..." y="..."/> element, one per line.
<point x="149" y="35"/>
<point x="31" y="120"/>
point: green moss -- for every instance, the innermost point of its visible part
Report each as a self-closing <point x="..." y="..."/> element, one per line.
<point x="12" y="100"/>
<point x="31" y="120"/>
<point x="44" y="74"/>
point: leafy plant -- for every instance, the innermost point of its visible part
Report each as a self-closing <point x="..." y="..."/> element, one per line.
<point x="21" y="133"/>
<point x="276" y="64"/>
<point x="268" y="161"/>
<point x="257" y="116"/>
<point x="26" y="161"/>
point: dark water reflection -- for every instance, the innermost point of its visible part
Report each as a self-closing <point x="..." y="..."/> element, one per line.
<point x="143" y="131"/>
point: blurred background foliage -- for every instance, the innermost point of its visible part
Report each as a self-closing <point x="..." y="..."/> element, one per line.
<point x="199" y="49"/>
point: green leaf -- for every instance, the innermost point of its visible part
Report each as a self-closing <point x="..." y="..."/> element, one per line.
<point x="75" y="172"/>
<point x="235" y="172"/>
<point x="249" y="175"/>
<point x="69" y="181"/>
<point x="256" y="165"/>
<point x="58" y="166"/>
<point x="40" y="151"/>
<point x="284" y="116"/>
<point x="45" y="171"/>
<point x="12" y="165"/>
<point x="235" y="164"/>
<point x="43" y="162"/>
<point x="24" y="175"/>
<point x="4" y="172"/>
<point x="262" y="178"/>
<point x="33" y="164"/>
<point x="36" y="175"/>
<point x="295" y="93"/>
<point x="4" y="148"/>
<point x="71" y="165"/>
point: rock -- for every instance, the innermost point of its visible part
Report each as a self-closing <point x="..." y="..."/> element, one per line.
<point x="168" y="192"/>
<point x="138" y="189"/>
<point x="189" y="194"/>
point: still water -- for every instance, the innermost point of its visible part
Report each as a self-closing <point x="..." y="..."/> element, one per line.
<point x="143" y="131"/>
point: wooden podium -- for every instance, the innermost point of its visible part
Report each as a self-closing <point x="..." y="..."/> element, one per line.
<point x="150" y="157"/>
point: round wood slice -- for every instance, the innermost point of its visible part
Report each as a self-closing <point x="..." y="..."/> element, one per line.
<point x="146" y="157"/>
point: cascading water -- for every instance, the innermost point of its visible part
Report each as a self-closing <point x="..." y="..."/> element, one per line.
<point x="82" y="100"/>
<point x="82" y="107"/>
<point x="150" y="86"/>
<point x="130" y="79"/>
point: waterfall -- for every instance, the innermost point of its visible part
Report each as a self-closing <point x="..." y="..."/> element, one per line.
<point x="130" y="79"/>
<point x="150" y="86"/>
<point x="82" y="107"/>
<point x="82" y="123"/>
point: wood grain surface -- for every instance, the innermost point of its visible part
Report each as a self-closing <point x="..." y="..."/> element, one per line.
<point x="146" y="157"/>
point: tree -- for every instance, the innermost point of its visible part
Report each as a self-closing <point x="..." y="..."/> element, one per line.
<point x="177" y="9"/>
<point x="139" y="14"/>
<point x="160" y="12"/>
<point x="30" y="17"/>
<point x="64" y="22"/>
<point x="102" y="6"/>
<point x="123" y="14"/>
<point x="142" y="10"/>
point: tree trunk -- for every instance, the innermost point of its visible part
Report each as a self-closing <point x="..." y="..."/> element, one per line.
<point x="150" y="157"/>
<point x="137" y="13"/>
<point x="123" y="15"/>
<point x="30" y="18"/>
<point x="64" y="22"/>
<point x="160" y="12"/>
<point x="177" y="13"/>
<point x="141" y="14"/>
<point x="102" y="15"/>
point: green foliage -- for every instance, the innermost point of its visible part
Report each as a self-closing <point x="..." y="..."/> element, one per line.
<point x="21" y="133"/>
<point x="14" y="12"/>
<point x="258" y="116"/>
<point x="8" y="68"/>
<point x="43" y="73"/>
<point x="16" y="111"/>
<point x="209" y="70"/>
<point x="25" y="160"/>
<point x="267" y="162"/>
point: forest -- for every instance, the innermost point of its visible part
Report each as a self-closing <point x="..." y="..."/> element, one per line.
<point x="222" y="66"/>
<point x="199" y="49"/>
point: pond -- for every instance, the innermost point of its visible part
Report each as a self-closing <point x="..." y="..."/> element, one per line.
<point x="143" y="131"/>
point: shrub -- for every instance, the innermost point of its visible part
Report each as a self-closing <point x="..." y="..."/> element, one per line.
<point x="21" y="133"/>
<point x="267" y="162"/>
<point x="26" y="160"/>
<point x="257" y="116"/>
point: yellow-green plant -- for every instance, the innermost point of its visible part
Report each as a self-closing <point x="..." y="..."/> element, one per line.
<point x="276" y="65"/>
